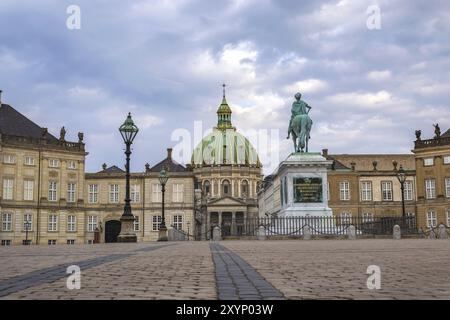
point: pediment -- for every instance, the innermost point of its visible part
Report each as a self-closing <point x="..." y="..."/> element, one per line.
<point x="227" y="201"/>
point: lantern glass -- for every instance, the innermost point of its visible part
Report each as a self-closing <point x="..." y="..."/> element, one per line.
<point x="128" y="130"/>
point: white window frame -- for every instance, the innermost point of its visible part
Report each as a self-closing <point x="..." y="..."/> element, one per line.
<point x="52" y="191"/>
<point x="28" y="161"/>
<point x="387" y="193"/>
<point x="71" y="223"/>
<point x="366" y="191"/>
<point x="430" y="189"/>
<point x="92" y="223"/>
<point x="448" y="217"/>
<point x="93" y="193"/>
<point x="431" y="218"/>
<point x="53" y="163"/>
<point x="136" y="224"/>
<point x="408" y="190"/>
<point x="446" y="160"/>
<point x="52" y="223"/>
<point x="28" y="217"/>
<point x="72" y="165"/>
<point x="156" y="192"/>
<point x="367" y="217"/>
<point x="28" y="190"/>
<point x="114" y="193"/>
<point x="428" y="162"/>
<point x="7" y="224"/>
<point x="178" y="221"/>
<point x="156" y="222"/>
<point x="6" y="242"/>
<point x="8" y="189"/>
<point x="70" y="241"/>
<point x="346" y="218"/>
<point x="178" y="192"/>
<point x="344" y="190"/>
<point x="71" y="192"/>
<point x="135" y="193"/>
<point x="9" y="159"/>
<point x="51" y="242"/>
<point x="447" y="187"/>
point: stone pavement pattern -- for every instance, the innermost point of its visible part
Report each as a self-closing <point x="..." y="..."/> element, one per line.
<point x="293" y="269"/>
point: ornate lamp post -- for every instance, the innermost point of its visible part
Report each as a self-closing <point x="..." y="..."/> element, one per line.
<point x="401" y="176"/>
<point x="163" y="177"/>
<point x="128" y="130"/>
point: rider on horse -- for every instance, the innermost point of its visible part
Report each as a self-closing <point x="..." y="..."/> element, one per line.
<point x="298" y="107"/>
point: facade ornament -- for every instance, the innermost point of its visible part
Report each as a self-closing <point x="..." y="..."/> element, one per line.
<point x="62" y="135"/>
<point x="375" y="163"/>
<point x="80" y="137"/>
<point x="437" y="131"/>
<point x="418" y="134"/>
<point x="395" y="163"/>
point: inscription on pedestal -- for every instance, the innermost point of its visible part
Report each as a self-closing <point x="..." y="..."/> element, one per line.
<point x="307" y="189"/>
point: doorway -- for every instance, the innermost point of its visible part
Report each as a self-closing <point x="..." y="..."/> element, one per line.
<point x="112" y="230"/>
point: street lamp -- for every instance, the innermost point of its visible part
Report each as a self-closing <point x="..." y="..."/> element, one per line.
<point x="163" y="177"/>
<point x="401" y="176"/>
<point x="128" y="130"/>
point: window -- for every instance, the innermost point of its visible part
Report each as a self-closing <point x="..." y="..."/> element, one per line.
<point x="156" y="192"/>
<point x="244" y="188"/>
<point x="410" y="219"/>
<point x="408" y="191"/>
<point x="177" y="195"/>
<point x="26" y="242"/>
<point x="366" y="191"/>
<point x="90" y="241"/>
<point x="428" y="162"/>
<point x="71" y="223"/>
<point x="135" y="193"/>
<point x="446" y="159"/>
<point x="431" y="219"/>
<point x="71" y="192"/>
<point x="136" y="223"/>
<point x="113" y="193"/>
<point x="156" y="223"/>
<point x="367" y="217"/>
<point x="346" y="218"/>
<point x="8" y="188"/>
<point x="51" y="242"/>
<point x="430" y="188"/>
<point x="344" y="190"/>
<point x="92" y="223"/>
<point x="53" y="163"/>
<point x="27" y="222"/>
<point x="70" y="241"/>
<point x="52" y="191"/>
<point x="447" y="187"/>
<point x="93" y="193"/>
<point x="28" y="190"/>
<point x="6" y="242"/>
<point x="448" y="218"/>
<point x="29" y="161"/>
<point x="71" y="165"/>
<point x="178" y="222"/>
<point x="386" y="190"/>
<point x="7" y="222"/>
<point x="53" y="222"/>
<point x="207" y="187"/>
<point x="226" y="188"/>
<point x="9" y="158"/>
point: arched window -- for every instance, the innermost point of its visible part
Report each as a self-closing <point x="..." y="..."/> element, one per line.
<point x="226" y="188"/>
<point x="244" y="188"/>
<point x="206" y="187"/>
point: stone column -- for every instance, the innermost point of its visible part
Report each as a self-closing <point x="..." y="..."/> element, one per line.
<point x="219" y="215"/>
<point x="239" y="187"/>
<point x="232" y="187"/>
<point x="233" y="223"/>
<point x="212" y="187"/>
<point x="396" y="232"/>
<point x="208" y="227"/>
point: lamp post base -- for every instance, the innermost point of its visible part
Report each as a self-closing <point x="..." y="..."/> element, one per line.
<point x="162" y="236"/>
<point x="127" y="230"/>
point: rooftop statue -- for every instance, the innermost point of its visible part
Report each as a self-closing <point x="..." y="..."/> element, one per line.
<point x="300" y="124"/>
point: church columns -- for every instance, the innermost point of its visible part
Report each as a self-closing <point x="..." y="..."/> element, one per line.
<point x="212" y="188"/>
<point x="232" y="187"/>
<point x="233" y="223"/>
<point x="220" y="219"/>
<point x="239" y="187"/>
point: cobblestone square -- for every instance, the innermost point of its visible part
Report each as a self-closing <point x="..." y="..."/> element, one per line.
<point x="283" y="269"/>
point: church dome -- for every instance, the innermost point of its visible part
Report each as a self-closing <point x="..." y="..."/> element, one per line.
<point x="224" y="145"/>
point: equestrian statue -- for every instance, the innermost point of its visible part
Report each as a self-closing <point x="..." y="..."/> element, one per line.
<point x="300" y="124"/>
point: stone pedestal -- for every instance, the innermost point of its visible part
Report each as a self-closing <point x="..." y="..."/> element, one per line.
<point x="262" y="233"/>
<point x="306" y="233"/>
<point x="443" y="232"/>
<point x="127" y="230"/>
<point x="162" y="234"/>
<point x="351" y="233"/>
<point x="396" y="232"/>
<point x="217" y="234"/>
<point x="303" y="186"/>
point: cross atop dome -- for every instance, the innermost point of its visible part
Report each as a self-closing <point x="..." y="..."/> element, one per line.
<point x="224" y="113"/>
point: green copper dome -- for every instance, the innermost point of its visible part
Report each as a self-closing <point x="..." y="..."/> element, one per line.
<point x="225" y="147"/>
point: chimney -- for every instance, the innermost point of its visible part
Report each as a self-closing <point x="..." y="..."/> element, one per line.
<point x="169" y="153"/>
<point x="325" y="152"/>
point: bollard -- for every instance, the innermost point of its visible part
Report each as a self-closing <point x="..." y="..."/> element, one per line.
<point x="306" y="233"/>
<point x="443" y="232"/>
<point x="217" y="234"/>
<point x="262" y="233"/>
<point x="351" y="233"/>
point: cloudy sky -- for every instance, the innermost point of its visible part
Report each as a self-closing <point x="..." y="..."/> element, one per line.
<point x="165" y="62"/>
